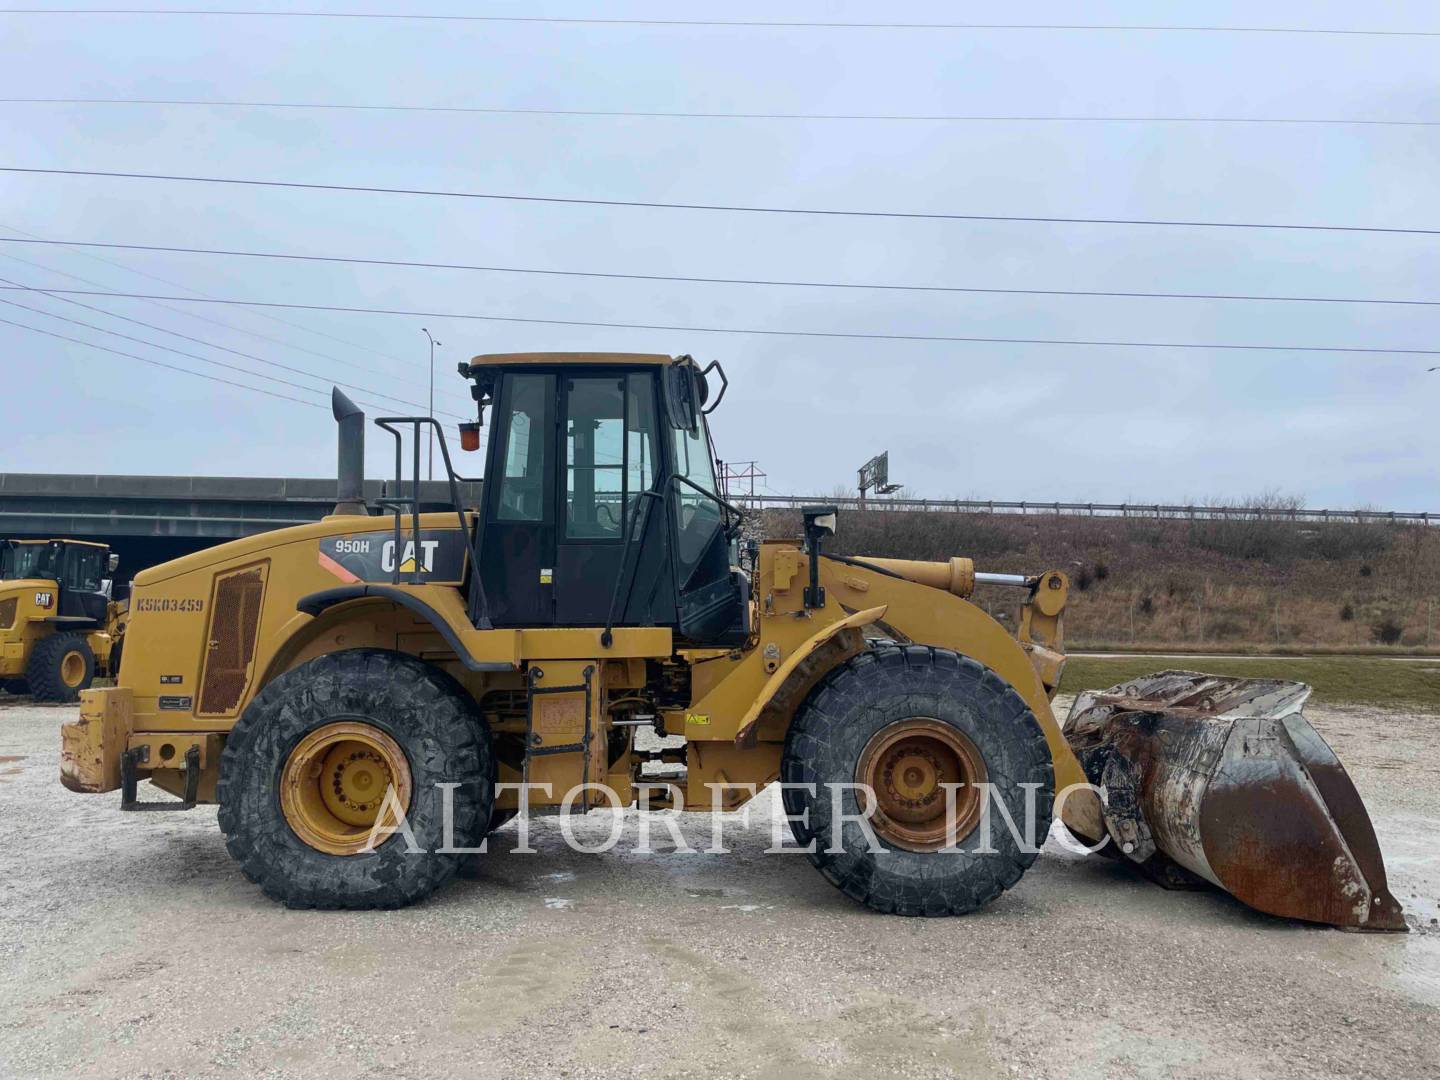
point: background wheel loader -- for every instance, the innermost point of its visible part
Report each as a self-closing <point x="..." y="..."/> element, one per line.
<point x="59" y="627"/>
<point x="320" y="682"/>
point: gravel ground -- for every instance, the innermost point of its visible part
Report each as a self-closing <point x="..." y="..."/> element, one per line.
<point x="131" y="946"/>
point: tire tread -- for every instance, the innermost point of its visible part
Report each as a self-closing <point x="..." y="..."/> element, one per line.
<point x="915" y="677"/>
<point x="455" y="742"/>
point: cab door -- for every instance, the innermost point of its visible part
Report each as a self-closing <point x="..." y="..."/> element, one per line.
<point x="80" y="570"/>
<point x="517" y="547"/>
<point x="610" y="449"/>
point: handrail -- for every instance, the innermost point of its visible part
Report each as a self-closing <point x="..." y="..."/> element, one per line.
<point x="412" y="501"/>
<point x="625" y="575"/>
<point x="729" y="507"/>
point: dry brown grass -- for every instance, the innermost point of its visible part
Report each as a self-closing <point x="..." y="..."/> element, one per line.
<point x="1230" y="584"/>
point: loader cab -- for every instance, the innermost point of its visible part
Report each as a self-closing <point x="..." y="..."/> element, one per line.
<point x="601" y="506"/>
<point x="78" y="568"/>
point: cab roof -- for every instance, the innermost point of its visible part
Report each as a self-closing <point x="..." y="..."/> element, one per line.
<point x="486" y="360"/>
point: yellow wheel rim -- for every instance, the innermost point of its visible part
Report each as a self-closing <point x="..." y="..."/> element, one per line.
<point x="907" y="765"/>
<point x="72" y="669"/>
<point x="334" y="783"/>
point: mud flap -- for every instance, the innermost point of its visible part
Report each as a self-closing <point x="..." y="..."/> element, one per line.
<point x="1225" y="779"/>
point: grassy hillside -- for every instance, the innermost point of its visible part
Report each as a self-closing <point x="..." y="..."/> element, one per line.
<point x="1232" y="584"/>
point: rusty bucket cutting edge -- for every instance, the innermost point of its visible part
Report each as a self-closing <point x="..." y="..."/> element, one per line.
<point x="1225" y="779"/>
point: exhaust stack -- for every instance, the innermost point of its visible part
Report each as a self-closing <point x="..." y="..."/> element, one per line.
<point x="350" y="465"/>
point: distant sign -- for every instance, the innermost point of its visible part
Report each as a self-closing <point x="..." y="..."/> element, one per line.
<point x="875" y="475"/>
<point x="875" y="472"/>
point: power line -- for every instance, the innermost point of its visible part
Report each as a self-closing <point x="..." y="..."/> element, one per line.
<point x="669" y="115"/>
<point x="216" y="322"/>
<point x="550" y="199"/>
<point x="773" y="333"/>
<point x="349" y="260"/>
<point x="164" y="348"/>
<point x="206" y="344"/>
<point x="741" y="23"/>
<point x="156" y="363"/>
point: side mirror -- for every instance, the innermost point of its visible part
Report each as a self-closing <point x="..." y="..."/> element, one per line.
<point x="819" y="523"/>
<point x="682" y="407"/>
<point x="113" y="563"/>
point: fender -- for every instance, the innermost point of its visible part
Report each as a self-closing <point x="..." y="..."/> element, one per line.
<point x="319" y="602"/>
<point x="930" y="616"/>
<point x="745" y="736"/>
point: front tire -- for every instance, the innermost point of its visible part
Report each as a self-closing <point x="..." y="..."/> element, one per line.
<point x="499" y="819"/>
<point x="305" y="772"/>
<point x="61" y="665"/>
<point x="905" y="721"/>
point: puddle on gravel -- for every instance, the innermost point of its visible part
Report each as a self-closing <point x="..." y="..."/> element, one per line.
<point x="1412" y="868"/>
<point x="1413" y="871"/>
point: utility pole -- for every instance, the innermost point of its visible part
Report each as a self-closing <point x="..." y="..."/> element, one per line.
<point x="731" y="473"/>
<point x="431" y="428"/>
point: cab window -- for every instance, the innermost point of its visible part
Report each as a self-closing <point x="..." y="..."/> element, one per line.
<point x="81" y="568"/>
<point x="522" y="483"/>
<point x="25" y="560"/>
<point x="698" y="516"/>
<point x="609" y="452"/>
<point x="640" y="451"/>
<point x="594" y="457"/>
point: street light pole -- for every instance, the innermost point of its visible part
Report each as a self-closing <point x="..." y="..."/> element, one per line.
<point x="431" y="428"/>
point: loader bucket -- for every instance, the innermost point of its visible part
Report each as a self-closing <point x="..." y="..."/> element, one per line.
<point x="1223" y="779"/>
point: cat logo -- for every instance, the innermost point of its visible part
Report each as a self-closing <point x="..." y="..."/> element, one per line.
<point x="438" y="555"/>
<point x="407" y="556"/>
<point x="44" y="599"/>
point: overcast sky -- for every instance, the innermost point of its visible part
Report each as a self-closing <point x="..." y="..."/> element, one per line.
<point x="959" y="419"/>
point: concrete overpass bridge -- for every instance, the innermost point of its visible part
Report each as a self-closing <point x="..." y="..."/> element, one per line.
<point x="149" y="519"/>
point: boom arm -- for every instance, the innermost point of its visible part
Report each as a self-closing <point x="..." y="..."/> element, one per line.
<point x="931" y="617"/>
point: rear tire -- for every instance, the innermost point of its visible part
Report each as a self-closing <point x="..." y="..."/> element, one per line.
<point x="61" y="665"/>
<point x="405" y="704"/>
<point x="956" y="702"/>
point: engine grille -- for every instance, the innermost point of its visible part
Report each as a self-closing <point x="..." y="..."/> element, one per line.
<point x="7" y="613"/>
<point x="234" y="627"/>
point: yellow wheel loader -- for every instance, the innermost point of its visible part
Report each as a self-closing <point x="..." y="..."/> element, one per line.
<point x="366" y="697"/>
<point x="59" y="627"/>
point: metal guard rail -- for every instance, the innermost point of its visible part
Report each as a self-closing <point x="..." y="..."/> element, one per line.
<point x="1090" y="509"/>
